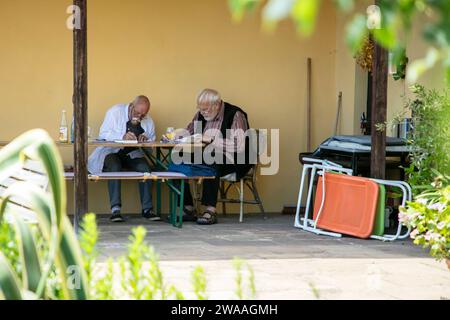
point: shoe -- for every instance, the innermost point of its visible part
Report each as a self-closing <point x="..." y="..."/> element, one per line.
<point x="208" y="218"/>
<point x="116" y="217"/>
<point x="149" y="214"/>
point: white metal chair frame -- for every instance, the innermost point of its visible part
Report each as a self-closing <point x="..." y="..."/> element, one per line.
<point x="320" y="167"/>
<point x="309" y="224"/>
<point x="248" y="180"/>
<point x="406" y="196"/>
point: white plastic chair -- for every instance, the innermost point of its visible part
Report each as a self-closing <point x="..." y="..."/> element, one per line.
<point x="248" y="180"/>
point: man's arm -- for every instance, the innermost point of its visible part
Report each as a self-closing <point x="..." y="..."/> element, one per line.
<point x="109" y="129"/>
<point x="149" y="128"/>
<point x="236" y="141"/>
<point x="191" y="126"/>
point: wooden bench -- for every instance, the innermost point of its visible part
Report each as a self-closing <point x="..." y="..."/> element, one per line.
<point x="31" y="172"/>
<point x="176" y="191"/>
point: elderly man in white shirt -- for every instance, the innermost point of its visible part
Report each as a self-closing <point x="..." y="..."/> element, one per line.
<point x="125" y="122"/>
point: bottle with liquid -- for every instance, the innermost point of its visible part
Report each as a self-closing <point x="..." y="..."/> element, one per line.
<point x="63" y="129"/>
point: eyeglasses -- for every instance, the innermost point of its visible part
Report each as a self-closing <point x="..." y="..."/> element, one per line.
<point x="205" y="110"/>
<point x="135" y="114"/>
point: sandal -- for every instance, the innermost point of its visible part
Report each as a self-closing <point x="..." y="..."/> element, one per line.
<point x="208" y="218"/>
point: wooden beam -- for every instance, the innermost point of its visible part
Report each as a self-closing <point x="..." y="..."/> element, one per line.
<point x="308" y="105"/>
<point x="80" y="109"/>
<point x="379" y="112"/>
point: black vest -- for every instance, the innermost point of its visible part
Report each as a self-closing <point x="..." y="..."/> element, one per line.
<point x="228" y="117"/>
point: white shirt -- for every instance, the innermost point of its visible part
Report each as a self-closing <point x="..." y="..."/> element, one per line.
<point x="114" y="128"/>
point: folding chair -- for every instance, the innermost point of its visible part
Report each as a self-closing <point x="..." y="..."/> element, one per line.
<point x="316" y="166"/>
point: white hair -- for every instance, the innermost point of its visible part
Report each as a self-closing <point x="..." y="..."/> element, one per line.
<point x="210" y="97"/>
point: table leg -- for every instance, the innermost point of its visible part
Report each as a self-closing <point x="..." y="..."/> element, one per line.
<point x="158" y="185"/>
<point x="181" y="204"/>
<point x="158" y="197"/>
<point x="171" y="215"/>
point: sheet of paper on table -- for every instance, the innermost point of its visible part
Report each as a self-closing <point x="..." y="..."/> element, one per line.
<point x="196" y="138"/>
<point x="126" y="141"/>
<point x="122" y="174"/>
<point x="168" y="174"/>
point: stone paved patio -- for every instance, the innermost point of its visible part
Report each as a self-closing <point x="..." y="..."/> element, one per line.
<point x="288" y="263"/>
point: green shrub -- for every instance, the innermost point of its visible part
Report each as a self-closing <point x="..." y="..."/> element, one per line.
<point x="37" y="264"/>
<point x="430" y="138"/>
<point x="429" y="218"/>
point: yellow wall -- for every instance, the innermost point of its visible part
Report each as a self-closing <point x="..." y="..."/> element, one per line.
<point x="170" y="50"/>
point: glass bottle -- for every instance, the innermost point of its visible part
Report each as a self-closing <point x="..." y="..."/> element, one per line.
<point x="63" y="129"/>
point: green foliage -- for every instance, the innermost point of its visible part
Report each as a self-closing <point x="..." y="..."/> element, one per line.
<point x="429" y="218"/>
<point x="314" y="290"/>
<point x="395" y="19"/>
<point x="29" y="267"/>
<point x="430" y="138"/>
<point x="401" y="65"/>
<point x="240" y="7"/>
<point x="139" y="275"/>
<point x="88" y="238"/>
<point x="103" y="286"/>
<point x="241" y="293"/>
<point x="9" y="247"/>
<point x="199" y="283"/>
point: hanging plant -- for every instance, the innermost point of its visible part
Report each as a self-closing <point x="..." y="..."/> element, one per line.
<point x="401" y="66"/>
<point x="364" y="57"/>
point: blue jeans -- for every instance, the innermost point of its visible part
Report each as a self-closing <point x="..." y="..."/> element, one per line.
<point x="116" y="162"/>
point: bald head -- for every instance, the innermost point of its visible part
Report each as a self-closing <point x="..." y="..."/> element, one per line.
<point x="141" y="100"/>
<point x="140" y="107"/>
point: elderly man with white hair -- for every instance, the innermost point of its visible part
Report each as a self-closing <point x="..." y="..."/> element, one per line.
<point x="223" y="127"/>
<point x="125" y="122"/>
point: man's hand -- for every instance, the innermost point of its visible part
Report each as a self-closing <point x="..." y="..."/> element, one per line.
<point x="142" y="138"/>
<point x="207" y="140"/>
<point x="129" y="136"/>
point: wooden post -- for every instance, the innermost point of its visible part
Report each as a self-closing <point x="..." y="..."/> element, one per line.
<point x="379" y="112"/>
<point x="80" y="102"/>
<point x="308" y="105"/>
<point x="338" y="114"/>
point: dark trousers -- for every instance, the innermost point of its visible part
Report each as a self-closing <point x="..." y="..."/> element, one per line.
<point x="210" y="187"/>
<point x="116" y="162"/>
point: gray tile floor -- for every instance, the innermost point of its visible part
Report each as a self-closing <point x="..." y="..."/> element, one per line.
<point x="256" y="238"/>
<point x="288" y="263"/>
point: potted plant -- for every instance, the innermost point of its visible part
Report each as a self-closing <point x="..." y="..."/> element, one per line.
<point x="429" y="219"/>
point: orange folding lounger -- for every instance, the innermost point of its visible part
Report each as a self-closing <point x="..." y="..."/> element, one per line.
<point x="350" y="204"/>
<point x="315" y="167"/>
